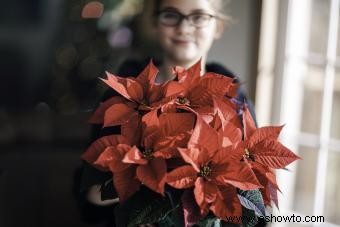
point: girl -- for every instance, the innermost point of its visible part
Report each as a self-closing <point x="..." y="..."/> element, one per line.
<point x="185" y="31"/>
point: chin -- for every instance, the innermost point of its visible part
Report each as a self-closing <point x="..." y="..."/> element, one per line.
<point x="185" y="58"/>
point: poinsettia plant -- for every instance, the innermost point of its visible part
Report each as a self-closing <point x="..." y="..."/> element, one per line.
<point x="187" y="153"/>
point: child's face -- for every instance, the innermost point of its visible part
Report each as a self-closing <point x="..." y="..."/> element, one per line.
<point x="185" y="43"/>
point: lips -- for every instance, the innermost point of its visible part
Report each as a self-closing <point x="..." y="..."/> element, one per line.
<point x="181" y="41"/>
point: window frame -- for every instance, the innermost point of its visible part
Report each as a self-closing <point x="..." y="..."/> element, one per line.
<point x="279" y="90"/>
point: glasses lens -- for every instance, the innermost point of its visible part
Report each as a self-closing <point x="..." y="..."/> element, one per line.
<point x="169" y="18"/>
<point x="199" y="20"/>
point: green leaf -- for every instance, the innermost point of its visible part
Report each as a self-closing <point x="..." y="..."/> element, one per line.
<point x="212" y="221"/>
<point x="154" y="212"/>
<point x="177" y="216"/>
<point x="209" y="221"/>
<point x="166" y="222"/>
<point x="252" y="200"/>
<point x="149" y="207"/>
<point x="249" y="218"/>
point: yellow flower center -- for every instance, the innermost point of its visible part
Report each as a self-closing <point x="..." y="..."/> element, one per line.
<point x="183" y="101"/>
<point x="147" y="153"/>
<point x="205" y="171"/>
<point x="143" y="106"/>
<point x="248" y="155"/>
<point x="144" y="102"/>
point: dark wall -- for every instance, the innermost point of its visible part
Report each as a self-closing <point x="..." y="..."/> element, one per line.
<point x="43" y="129"/>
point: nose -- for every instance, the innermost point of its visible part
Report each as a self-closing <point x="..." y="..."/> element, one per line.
<point x="185" y="26"/>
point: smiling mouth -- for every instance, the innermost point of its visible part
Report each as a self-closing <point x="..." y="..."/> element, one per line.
<point x="181" y="42"/>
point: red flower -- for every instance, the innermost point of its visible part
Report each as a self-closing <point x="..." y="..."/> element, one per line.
<point x="226" y="122"/>
<point x="141" y="95"/>
<point x="160" y="135"/>
<point x="136" y="91"/>
<point x="263" y="153"/>
<point x="118" y="111"/>
<point x="210" y="167"/>
<point x="267" y="178"/>
<point x="198" y="92"/>
<point x="106" y="154"/>
<point x="97" y="147"/>
<point x="98" y="116"/>
<point x="228" y="205"/>
<point x="190" y="127"/>
<point x="145" y="162"/>
<point x="124" y="175"/>
<point x="261" y="144"/>
<point x="174" y="130"/>
<point x="210" y="83"/>
<point x="141" y="90"/>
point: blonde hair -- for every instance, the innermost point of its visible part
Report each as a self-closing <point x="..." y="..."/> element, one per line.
<point x="221" y="9"/>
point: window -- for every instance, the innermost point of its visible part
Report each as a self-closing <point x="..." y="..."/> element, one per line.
<point x="304" y="82"/>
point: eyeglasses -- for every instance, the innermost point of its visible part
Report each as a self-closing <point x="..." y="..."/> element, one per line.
<point x="173" y="18"/>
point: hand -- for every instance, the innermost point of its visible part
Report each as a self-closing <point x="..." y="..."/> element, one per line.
<point x="94" y="197"/>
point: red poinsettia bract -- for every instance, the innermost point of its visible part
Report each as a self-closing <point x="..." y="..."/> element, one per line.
<point x="198" y="92"/>
<point x="211" y="172"/>
<point x="140" y="94"/>
<point x="147" y="162"/>
<point x="263" y="153"/>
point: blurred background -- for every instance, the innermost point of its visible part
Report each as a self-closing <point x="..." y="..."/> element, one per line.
<point x="52" y="53"/>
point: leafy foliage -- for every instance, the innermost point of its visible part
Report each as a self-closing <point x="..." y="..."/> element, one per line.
<point x="252" y="200"/>
<point x="186" y="135"/>
<point x="152" y="212"/>
<point x="249" y="219"/>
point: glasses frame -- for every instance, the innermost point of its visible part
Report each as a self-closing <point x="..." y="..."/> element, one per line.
<point x="184" y="17"/>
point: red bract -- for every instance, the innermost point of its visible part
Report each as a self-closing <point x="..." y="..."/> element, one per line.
<point x="228" y="205"/>
<point x="210" y="167"/>
<point x="98" y="116"/>
<point x="262" y="152"/>
<point x="198" y="92"/>
<point x="174" y="131"/>
<point x="267" y="178"/>
<point x="138" y="90"/>
<point x="151" y="170"/>
<point x="160" y="137"/>
<point x="106" y="154"/>
<point x="226" y="122"/>
<point x="124" y="175"/>
<point x="141" y="95"/>
<point x="261" y="144"/>
<point x="99" y="146"/>
<point x="146" y="161"/>
<point x="216" y="85"/>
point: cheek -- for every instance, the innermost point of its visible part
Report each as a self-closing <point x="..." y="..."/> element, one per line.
<point x="205" y="38"/>
<point x="163" y="33"/>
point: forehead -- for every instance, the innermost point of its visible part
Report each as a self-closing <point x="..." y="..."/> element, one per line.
<point x="187" y="6"/>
